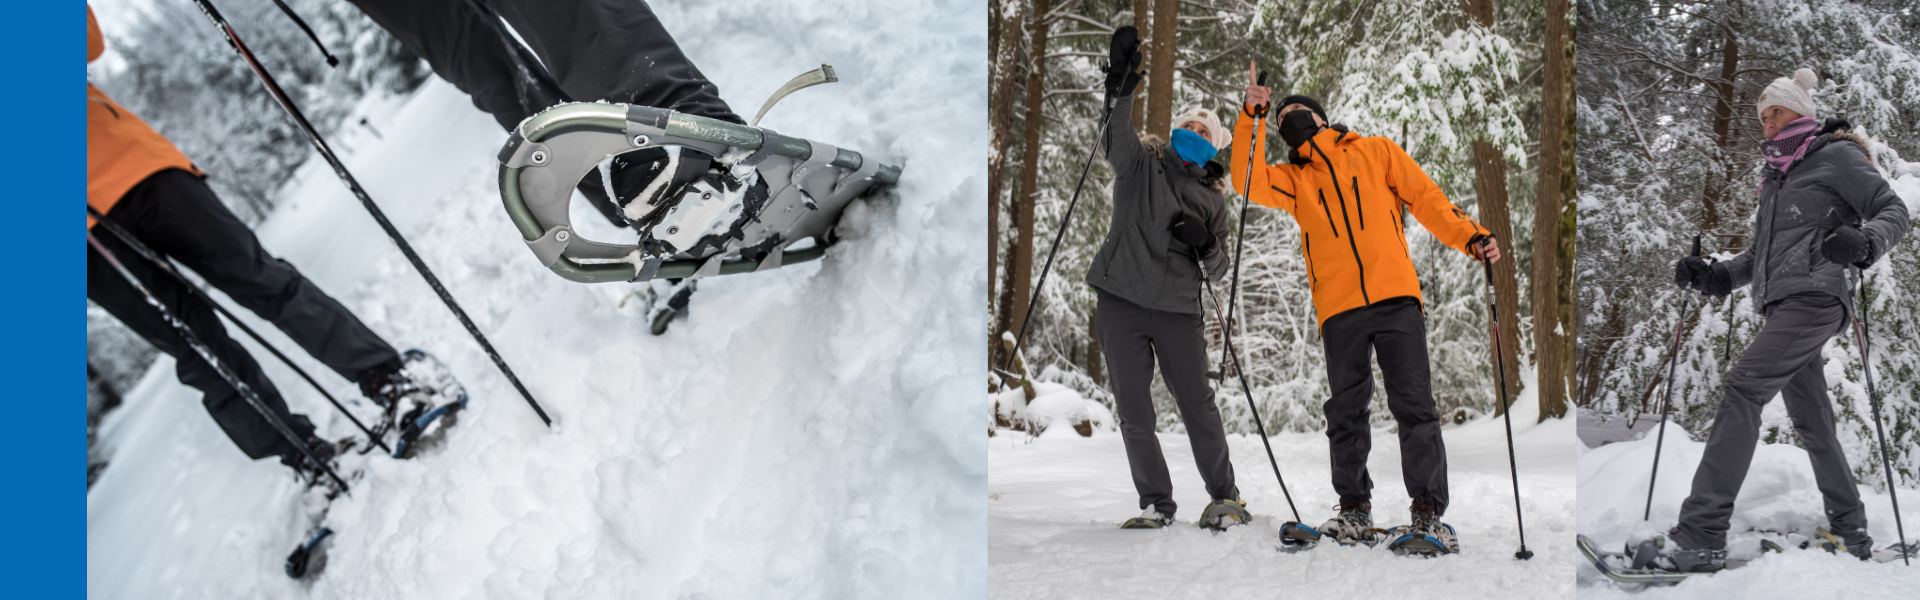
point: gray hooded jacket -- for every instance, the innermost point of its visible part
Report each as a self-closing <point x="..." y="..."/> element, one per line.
<point x="1834" y="184"/>
<point x="1140" y="261"/>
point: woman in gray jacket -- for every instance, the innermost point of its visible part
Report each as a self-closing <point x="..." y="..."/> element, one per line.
<point x="1169" y="213"/>
<point x="1825" y="214"/>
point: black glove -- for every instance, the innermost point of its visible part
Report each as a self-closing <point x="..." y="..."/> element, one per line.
<point x="1123" y="62"/>
<point x="1692" y="272"/>
<point x="1847" y="245"/>
<point x="1193" y="232"/>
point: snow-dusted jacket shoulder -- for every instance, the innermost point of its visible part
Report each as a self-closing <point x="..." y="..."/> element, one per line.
<point x="1834" y="184"/>
<point x="1140" y="260"/>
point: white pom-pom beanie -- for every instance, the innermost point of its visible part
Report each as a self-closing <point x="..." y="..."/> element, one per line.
<point x="1219" y="135"/>
<point x="1791" y="94"/>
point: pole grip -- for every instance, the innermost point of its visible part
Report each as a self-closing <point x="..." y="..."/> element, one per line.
<point x="1696" y="244"/>
<point x="1262" y="82"/>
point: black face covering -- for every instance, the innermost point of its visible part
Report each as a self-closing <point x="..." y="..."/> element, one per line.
<point x="1297" y="127"/>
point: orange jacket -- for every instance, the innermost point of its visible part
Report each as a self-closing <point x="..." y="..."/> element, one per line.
<point x="122" y="150"/>
<point x="1349" y="203"/>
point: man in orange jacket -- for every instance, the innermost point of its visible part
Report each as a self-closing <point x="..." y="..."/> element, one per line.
<point x="139" y="181"/>
<point x="1349" y="194"/>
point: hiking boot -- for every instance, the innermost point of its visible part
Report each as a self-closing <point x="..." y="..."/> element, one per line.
<point x="1221" y="514"/>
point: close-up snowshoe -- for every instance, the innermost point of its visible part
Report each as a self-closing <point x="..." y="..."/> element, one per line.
<point x="421" y="398"/>
<point x="707" y="197"/>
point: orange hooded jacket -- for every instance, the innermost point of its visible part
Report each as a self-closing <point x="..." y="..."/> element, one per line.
<point x="1348" y="202"/>
<point x="122" y="150"/>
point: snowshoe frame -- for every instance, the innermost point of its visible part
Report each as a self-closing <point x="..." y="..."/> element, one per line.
<point x="809" y="185"/>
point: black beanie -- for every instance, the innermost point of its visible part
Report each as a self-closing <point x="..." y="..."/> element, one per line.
<point x="1311" y="104"/>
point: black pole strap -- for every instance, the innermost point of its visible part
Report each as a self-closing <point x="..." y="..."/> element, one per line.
<point x="206" y="354"/>
<point x="340" y="169"/>
<point x="331" y="61"/>
<point x="167" y="267"/>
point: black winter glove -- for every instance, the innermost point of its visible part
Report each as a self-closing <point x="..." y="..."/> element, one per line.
<point x="1193" y="232"/>
<point x="1123" y="62"/>
<point x="1692" y="272"/>
<point x="1847" y="245"/>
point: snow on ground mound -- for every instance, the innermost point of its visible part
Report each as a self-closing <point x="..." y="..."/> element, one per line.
<point x="807" y="432"/>
<point x="1056" y="502"/>
<point x="1779" y="496"/>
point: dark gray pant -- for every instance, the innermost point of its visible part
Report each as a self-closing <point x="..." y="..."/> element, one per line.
<point x="1783" y="359"/>
<point x="174" y="213"/>
<point x="1398" y="332"/>
<point x="1132" y="337"/>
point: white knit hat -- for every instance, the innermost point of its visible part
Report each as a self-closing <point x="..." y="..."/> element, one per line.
<point x="1791" y="94"/>
<point x="1221" y="137"/>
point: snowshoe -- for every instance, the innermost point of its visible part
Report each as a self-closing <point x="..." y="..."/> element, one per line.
<point x="1426" y="536"/>
<point x="1655" y="561"/>
<point x="311" y="557"/>
<point x="1862" y="549"/>
<point x="1897" y="551"/>
<point x="421" y="397"/>
<point x="1152" y="518"/>
<point x="1221" y="514"/>
<point x="706" y="197"/>
<point x="1351" y="525"/>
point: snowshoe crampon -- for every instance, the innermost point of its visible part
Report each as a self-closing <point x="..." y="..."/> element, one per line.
<point x="430" y="406"/>
<point x="774" y="192"/>
<point x="311" y="557"/>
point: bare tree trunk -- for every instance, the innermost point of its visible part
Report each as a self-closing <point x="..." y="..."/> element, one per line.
<point x="1548" y="336"/>
<point x="1142" y="20"/>
<point x="1006" y="64"/>
<point x="1021" y="263"/>
<point x="1161" y="66"/>
<point x="1723" y="131"/>
<point x="1490" y="184"/>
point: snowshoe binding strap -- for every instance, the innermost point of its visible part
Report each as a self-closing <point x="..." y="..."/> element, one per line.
<point x="760" y="195"/>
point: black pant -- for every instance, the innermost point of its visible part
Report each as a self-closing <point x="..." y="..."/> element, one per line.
<point x="177" y="215"/>
<point x="612" y="50"/>
<point x="1132" y="337"/>
<point x="1395" y="328"/>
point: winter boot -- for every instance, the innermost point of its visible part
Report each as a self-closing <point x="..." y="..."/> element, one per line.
<point x="1665" y="553"/>
<point x="1221" y="514"/>
<point x="1861" y="547"/>
<point x="1426" y="535"/>
<point x="1352" y="524"/>
<point x="417" y="393"/>
<point x="1151" y="518"/>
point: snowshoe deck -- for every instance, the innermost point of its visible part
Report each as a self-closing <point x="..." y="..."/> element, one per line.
<point x="1407" y="542"/>
<point x="1299" y="537"/>
<point x="422" y="422"/>
<point x="1623" y="574"/>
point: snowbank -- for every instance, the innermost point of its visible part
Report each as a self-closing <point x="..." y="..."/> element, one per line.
<point x="807" y="432"/>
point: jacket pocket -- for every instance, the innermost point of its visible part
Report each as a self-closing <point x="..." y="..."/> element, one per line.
<point x="1358" y="206"/>
<point x="1329" y="213"/>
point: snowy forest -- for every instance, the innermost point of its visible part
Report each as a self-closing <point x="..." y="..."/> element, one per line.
<point x="1458" y="85"/>
<point x="1670" y="150"/>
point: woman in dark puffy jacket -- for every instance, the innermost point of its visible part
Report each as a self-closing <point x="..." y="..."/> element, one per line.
<point x="1169" y="217"/>
<point x="1824" y="214"/>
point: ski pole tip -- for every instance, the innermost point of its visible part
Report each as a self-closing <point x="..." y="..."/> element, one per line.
<point x="1523" y="554"/>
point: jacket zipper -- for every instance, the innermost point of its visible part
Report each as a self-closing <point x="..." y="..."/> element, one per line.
<point x="1358" y="206"/>
<point x="1357" y="263"/>
<point x="1329" y="213"/>
<point x="1306" y="245"/>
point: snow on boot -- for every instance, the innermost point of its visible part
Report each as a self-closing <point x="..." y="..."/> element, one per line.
<point x="1426" y="536"/>
<point x="1352" y="524"/>
<point x="1221" y="514"/>
<point x="420" y="395"/>
<point x="1152" y="518"/>
<point x="1664" y="554"/>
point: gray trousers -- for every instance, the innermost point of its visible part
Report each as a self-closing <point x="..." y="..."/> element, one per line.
<point x="1396" y="330"/>
<point x="177" y="215"/>
<point x="1132" y="337"/>
<point x="1783" y="359"/>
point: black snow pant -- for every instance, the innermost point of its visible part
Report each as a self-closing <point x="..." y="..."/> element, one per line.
<point x="1783" y="359"/>
<point x="178" y="216"/>
<point x="1132" y="337"/>
<point x="613" y="50"/>
<point x="1396" y="330"/>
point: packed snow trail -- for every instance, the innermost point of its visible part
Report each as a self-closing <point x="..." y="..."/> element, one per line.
<point x="807" y="432"/>
<point x="1779" y="496"/>
<point x="1055" y="503"/>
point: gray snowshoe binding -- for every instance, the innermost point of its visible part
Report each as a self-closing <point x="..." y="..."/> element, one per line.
<point x="707" y="197"/>
<point x="1426" y="536"/>
<point x="421" y="399"/>
<point x="1352" y="524"/>
<point x="1661" y="553"/>
<point x="1861" y="548"/>
<point x="1151" y="518"/>
<point x="1221" y="514"/>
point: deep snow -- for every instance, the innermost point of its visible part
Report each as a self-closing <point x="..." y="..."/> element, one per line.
<point x="1778" y="496"/>
<point x="808" y="432"/>
<point x="1055" y="503"/>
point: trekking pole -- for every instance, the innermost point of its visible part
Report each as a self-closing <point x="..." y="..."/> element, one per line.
<point x="340" y="169"/>
<point x="1862" y="328"/>
<point x="1244" y="389"/>
<point x="167" y="266"/>
<point x="1246" y="198"/>
<point x="1666" y="404"/>
<point x="1105" y="114"/>
<point x="206" y="354"/>
<point x="1506" y="411"/>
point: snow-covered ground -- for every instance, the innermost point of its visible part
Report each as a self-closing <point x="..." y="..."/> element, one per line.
<point x="808" y="432"/>
<point x="1779" y="496"/>
<point x="1055" y="502"/>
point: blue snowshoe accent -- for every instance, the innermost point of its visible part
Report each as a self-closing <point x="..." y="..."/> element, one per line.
<point x="427" y="392"/>
<point x="310" y="557"/>
<point x="1294" y="534"/>
<point x="1430" y="541"/>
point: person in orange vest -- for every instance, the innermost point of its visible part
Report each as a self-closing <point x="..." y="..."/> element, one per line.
<point x="140" y="182"/>
<point x="1349" y="194"/>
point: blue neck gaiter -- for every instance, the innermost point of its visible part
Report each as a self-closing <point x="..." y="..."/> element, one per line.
<point x="1192" y="148"/>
